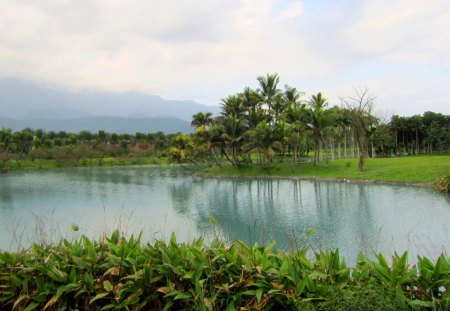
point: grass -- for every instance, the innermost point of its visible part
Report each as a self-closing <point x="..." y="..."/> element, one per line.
<point x="37" y="164"/>
<point x="418" y="169"/>
<point x="120" y="273"/>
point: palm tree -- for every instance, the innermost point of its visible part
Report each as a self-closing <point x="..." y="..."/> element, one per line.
<point x="233" y="105"/>
<point x="251" y="99"/>
<point x="296" y="116"/>
<point x="319" y="121"/>
<point x="292" y="96"/>
<point x="201" y="119"/>
<point x="233" y="130"/>
<point x="264" y="139"/>
<point x="269" y="88"/>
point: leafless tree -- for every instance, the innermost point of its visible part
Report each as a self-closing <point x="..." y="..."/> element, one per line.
<point x="360" y="107"/>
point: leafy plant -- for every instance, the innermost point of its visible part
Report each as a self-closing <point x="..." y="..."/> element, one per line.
<point x="120" y="273"/>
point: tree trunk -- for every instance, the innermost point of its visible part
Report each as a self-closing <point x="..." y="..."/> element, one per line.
<point x="353" y="146"/>
<point x="332" y="149"/>
<point x="361" y="160"/>
<point x="345" y="145"/>
<point x="339" y="150"/>
<point x="417" y="141"/>
<point x="326" y="151"/>
<point x="396" y="141"/>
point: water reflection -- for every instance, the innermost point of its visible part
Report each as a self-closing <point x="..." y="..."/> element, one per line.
<point x="158" y="201"/>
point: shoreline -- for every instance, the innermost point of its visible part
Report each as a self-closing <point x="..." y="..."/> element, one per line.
<point x="428" y="185"/>
<point x="201" y="174"/>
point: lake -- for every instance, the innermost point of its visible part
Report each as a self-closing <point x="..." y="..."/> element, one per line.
<point x="43" y="205"/>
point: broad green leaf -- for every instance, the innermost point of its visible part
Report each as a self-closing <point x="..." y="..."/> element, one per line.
<point x="230" y="306"/>
<point x="259" y="294"/>
<point x="57" y="275"/>
<point x="182" y="296"/>
<point x="107" y="286"/>
<point x="168" y="305"/>
<point x="31" y="306"/>
<point x="98" y="296"/>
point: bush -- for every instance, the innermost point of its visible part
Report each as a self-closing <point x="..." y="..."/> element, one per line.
<point x="442" y="183"/>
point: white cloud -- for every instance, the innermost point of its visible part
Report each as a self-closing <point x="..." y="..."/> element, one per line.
<point x="413" y="31"/>
<point x="205" y="50"/>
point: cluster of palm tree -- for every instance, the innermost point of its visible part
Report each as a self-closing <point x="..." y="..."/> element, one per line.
<point x="271" y="124"/>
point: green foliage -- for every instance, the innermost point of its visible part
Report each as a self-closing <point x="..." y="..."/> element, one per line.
<point x="120" y="273"/>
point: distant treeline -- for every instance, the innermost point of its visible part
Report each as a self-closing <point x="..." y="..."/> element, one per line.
<point x="38" y="144"/>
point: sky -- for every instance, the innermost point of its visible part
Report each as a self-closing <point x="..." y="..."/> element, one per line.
<point x="206" y="50"/>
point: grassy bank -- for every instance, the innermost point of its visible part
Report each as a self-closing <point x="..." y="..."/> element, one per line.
<point x="17" y="165"/>
<point x="120" y="273"/>
<point x="420" y="169"/>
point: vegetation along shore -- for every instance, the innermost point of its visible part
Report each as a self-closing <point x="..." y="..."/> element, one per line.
<point x="120" y="273"/>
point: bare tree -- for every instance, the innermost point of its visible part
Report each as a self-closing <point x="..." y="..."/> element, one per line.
<point x="360" y="107"/>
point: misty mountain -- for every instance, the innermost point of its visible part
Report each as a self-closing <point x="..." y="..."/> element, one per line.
<point x="26" y="100"/>
<point x="55" y="114"/>
<point x="108" y="124"/>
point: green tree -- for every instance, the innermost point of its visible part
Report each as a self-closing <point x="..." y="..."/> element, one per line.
<point x="233" y="135"/>
<point x="264" y="139"/>
<point x="319" y="120"/>
<point x="201" y="119"/>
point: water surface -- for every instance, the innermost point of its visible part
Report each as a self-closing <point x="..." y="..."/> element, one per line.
<point x="42" y="205"/>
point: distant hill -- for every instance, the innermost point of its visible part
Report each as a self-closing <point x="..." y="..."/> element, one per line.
<point x="96" y="123"/>
<point x="26" y="100"/>
<point x="55" y="114"/>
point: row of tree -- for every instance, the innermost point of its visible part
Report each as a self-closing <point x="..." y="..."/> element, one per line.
<point x="38" y="144"/>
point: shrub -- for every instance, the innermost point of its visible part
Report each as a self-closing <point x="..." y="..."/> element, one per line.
<point x="442" y="183"/>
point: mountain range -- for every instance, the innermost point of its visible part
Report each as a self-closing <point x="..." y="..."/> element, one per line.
<point x="26" y="104"/>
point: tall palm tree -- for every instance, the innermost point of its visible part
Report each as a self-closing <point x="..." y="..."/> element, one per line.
<point x="319" y="121"/>
<point x="264" y="139"/>
<point x="251" y="99"/>
<point x="233" y="131"/>
<point x="269" y="88"/>
<point x="297" y="117"/>
<point x="201" y="119"/>
<point x="292" y="96"/>
<point x="233" y="105"/>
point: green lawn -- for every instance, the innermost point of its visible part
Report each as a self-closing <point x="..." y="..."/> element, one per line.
<point x="404" y="169"/>
<point x="14" y="165"/>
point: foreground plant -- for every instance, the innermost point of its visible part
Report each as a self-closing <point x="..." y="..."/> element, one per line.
<point x="120" y="273"/>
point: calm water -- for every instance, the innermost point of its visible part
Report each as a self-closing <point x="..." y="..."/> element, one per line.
<point x="41" y="206"/>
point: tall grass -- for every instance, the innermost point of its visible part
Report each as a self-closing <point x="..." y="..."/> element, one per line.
<point x="122" y="273"/>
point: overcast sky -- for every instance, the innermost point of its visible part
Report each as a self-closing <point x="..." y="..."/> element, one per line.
<point x="205" y="50"/>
